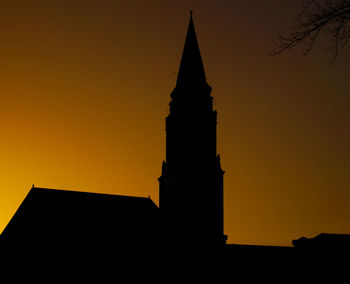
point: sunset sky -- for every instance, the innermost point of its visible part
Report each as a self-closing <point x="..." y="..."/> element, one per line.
<point x="84" y="92"/>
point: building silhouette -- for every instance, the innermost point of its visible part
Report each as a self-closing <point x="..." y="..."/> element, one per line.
<point x="191" y="184"/>
<point x="125" y="237"/>
<point x="72" y="216"/>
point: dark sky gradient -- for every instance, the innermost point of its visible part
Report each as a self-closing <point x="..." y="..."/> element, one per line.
<point x="84" y="92"/>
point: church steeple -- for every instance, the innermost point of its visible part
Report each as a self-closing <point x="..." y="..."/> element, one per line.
<point x="191" y="71"/>
<point x="191" y="184"/>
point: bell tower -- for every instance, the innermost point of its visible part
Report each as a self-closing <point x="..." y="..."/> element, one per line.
<point x="191" y="184"/>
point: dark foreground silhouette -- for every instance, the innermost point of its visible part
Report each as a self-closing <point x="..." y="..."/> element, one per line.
<point x="59" y="234"/>
<point x="69" y="236"/>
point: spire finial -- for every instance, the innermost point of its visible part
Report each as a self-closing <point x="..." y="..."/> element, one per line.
<point x="191" y="69"/>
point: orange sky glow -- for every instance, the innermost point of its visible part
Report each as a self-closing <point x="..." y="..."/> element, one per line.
<point x="84" y="92"/>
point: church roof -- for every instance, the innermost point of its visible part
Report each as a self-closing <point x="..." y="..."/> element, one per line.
<point x="191" y="71"/>
<point x="67" y="215"/>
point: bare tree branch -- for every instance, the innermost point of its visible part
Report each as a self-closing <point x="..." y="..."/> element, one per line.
<point x="330" y="17"/>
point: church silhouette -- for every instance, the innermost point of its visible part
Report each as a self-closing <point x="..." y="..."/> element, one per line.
<point x="187" y="225"/>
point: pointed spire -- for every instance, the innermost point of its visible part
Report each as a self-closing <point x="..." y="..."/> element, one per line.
<point x="191" y="71"/>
